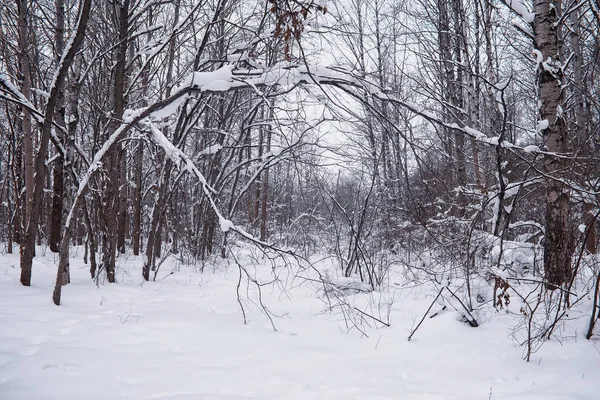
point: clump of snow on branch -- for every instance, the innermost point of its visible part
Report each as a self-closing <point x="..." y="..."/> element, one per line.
<point x="520" y="9"/>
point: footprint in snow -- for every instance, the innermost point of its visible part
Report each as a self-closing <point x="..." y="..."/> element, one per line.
<point x="36" y="340"/>
<point x="69" y="367"/>
<point x="28" y="351"/>
<point x="66" y="331"/>
<point x="5" y="359"/>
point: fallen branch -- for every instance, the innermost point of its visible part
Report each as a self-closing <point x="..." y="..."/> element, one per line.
<point x="472" y="321"/>
<point x="426" y="312"/>
<point x="370" y="316"/>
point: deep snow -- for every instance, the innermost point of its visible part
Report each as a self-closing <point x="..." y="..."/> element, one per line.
<point x="183" y="338"/>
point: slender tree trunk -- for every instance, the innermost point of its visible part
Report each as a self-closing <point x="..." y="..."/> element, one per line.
<point x="458" y="102"/>
<point x="137" y="201"/>
<point x="17" y="171"/>
<point x="122" y="214"/>
<point x="113" y="197"/>
<point x="122" y="155"/>
<point x="447" y="82"/>
<point x="580" y="123"/>
<point x="472" y="80"/>
<point x="153" y="232"/>
<point x="24" y="58"/>
<point x="595" y="307"/>
<point x="248" y="146"/>
<point x="58" y="182"/>
<point x="161" y="198"/>
<point x="9" y="230"/>
<point x="258" y="183"/>
<point x="265" y="188"/>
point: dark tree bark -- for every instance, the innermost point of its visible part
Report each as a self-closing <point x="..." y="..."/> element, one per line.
<point x="58" y="182"/>
<point x="28" y="155"/>
<point x="112" y="201"/>
<point x="137" y="200"/>
<point x="122" y="213"/>
<point x="157" y="213"/>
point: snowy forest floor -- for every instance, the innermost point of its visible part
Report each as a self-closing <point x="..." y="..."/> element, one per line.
<point x="183" y="338"/>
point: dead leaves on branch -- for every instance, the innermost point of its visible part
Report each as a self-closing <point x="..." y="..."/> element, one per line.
<point x="289" y="19"/>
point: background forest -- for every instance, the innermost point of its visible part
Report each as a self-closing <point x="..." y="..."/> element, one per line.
<point x="453" y="143"/>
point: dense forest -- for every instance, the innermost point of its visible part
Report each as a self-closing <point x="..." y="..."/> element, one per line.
<point x="453" y="139"/>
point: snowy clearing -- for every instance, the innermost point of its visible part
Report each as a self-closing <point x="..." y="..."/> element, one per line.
<point x="183" y="338"/>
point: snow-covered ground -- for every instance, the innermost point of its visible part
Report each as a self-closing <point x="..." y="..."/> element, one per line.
<point x="183" y="338"/>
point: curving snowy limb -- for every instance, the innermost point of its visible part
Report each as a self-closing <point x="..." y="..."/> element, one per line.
<point x="228" y="78"/>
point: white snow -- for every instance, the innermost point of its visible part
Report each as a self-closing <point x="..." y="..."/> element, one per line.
<point x="170" y="108"/>
<point x="214" y="149"/>
<point x="182" y="338"/>
<point x="550" y="66"/>
<point x="539" y="58"/>
<point x="219" y="80"/>
<point x="5" y="81"/>
<point x="520" y="9"/>
<point x="225" y="224"/>
<point x="531" y="149"/>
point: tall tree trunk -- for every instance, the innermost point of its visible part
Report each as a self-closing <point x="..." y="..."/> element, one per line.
<point x="58" y="184"/>
<point x="137" y="201"/>
<point x="258" y="183"/>
<point x="167" y="165"/>
<point x="265" y="187"/>
<point x="447" y="83"/>
<point x="24" y="58"/>
<point x="157" y="213"/>
<point x="17" y="171"/>
<point x="138" y="162"/>
<point x="580" y="124"/>
<point x="457" y="100"/>
<point x="558" y="240"/>
<point x="114" y="164"/>
<point x="473" y="89"/>
<point x="122" y="214"/>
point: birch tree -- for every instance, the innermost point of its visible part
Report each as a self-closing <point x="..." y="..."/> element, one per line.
<point x="558" y="238"/>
